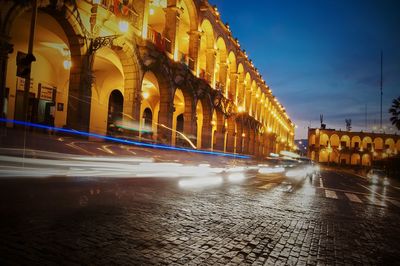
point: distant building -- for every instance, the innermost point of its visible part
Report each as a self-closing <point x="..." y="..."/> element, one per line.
<point x="350" y="148"/>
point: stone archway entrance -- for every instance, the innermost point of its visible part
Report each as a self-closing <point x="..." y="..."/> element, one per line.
<point x="115" y="111"/>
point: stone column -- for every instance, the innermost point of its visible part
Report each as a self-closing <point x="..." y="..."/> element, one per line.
<point x="190" y="123"/>
<point x="246" y="139"/>
<point x="257" y="143"/>
<point x="171" y="30"/>
<point x="231" y="141"/>
<point x="206" y="134"/>
<point x="80" y="93"/>
<point x="5" y="49"/>
<point x="165" y="118"/>
<point x="194" y="49"/>
<point x="145" y="20"/>
<point x="223" y="77"/>
<point x="233" y="93"/>
<point x="220" y="134"/>
<point x="210" y="66"/>
<point x="251" y="141"/>
<point x="239" y="138"/>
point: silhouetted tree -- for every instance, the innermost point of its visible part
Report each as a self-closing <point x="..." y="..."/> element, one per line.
<point x="395" y="112"/>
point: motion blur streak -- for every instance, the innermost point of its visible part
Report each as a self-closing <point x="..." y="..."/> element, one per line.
<point x="123" y="141"/>
<point x="271" y="170"/>
<point x="200" y="182"/>
<point x="72" y="165"/>
<point x="236" y="177"/>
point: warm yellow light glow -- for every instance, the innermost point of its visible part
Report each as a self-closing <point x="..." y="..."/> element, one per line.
<point x="213" y="123"/>
<point x="145" y="95"/>
<point x="240" y="109"/>
<point x="243" y="135"/>
<point x="123" y="26"/>
<point x="67" y="64"/>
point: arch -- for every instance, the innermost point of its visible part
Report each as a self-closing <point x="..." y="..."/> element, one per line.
<point x="355" y="159"/>
<point x="148" y="118"/>
<point x="241" y="86"/>
<point x="221" y="69"/>
<point x="390" y="144"/>
<point x="334" y="140"/>
<point x="366" y="160"/>
<point x="355" y="142"/>
<point x="54" y="36"/>
<point x="232" y="79"/>
<point x="247" y="92"/>
<point x="186" y="25"/>
<point x="207" y="51"/>
<point x="324" y="140"/>
<point x="367" y="143"/>
<point x="378" y="143"/>
<point x="192" y="11"/>
<point x="115" y="110"/>
<point x="156" y="95"/>
<point x="345" y="141"/>
<point x="208" y="32"/>
<point x="232" y="62"/>
<point x="323" y="156"/>
<point x="261" y="115"/>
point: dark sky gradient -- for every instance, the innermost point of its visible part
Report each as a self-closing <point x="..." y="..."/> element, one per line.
<point x="322" y="56"/>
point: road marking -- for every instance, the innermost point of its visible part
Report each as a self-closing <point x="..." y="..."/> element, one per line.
<point x="330" y="194"/>
<point x="371" y="190"/>
<point x="376" y="201"/>
<point x="321" y="184"/>
<point x="353" y="197"/>
<point x="394" y="202"/>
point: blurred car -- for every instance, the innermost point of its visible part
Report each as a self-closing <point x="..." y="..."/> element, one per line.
<point x="377" y="177"/>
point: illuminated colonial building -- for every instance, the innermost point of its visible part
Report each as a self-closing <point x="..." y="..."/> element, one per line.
<point x="350" y="148"/>
<point x="157" y="66"/>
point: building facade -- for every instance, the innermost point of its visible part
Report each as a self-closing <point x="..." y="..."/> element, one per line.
<point x="160" y="67"/>
<point x="350" y="148"/>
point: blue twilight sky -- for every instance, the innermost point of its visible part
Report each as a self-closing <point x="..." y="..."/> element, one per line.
<point x="322" y="56"/>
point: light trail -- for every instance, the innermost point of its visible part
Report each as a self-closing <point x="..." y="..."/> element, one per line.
<point x="109" y="167"/>
<point x="124" y="141"/>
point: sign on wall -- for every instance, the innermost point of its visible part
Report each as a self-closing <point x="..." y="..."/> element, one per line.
<point x="46" y="92"/>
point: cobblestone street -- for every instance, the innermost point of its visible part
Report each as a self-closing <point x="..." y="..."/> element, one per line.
<point x="158" y="221"/>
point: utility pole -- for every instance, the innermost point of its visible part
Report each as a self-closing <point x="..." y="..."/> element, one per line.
<point x="28" y="60"/>
<point x="366" y="117"/>
<point x="381" y="88"/>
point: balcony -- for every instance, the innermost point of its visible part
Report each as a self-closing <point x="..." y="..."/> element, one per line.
<point x="205" y="75"/>
<point x="124" y="10"/>
<point x="159" y="41"/>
